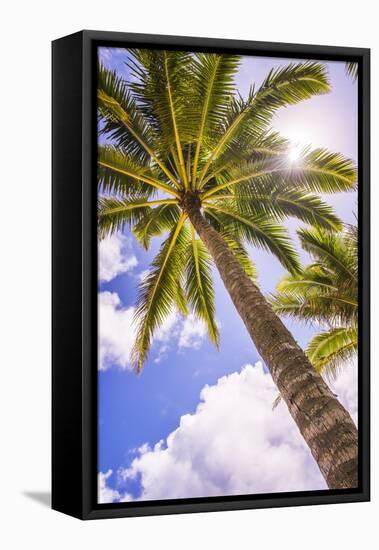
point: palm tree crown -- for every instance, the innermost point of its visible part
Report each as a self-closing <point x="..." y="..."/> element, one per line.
<point x="326" y="291"/>
<point x="181" y="137"/>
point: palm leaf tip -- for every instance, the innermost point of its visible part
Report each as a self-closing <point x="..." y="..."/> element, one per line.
<point x="297" y="81"/>
<point x="352" y="69"/>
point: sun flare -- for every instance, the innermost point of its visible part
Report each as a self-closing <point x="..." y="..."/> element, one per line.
<point x="295" y="152"/>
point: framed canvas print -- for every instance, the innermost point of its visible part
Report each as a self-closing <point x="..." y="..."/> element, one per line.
<point x="210" y="275"/>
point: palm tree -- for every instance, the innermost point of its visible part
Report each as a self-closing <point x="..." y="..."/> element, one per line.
<point x="326" y="292"/>
<point x="193" y="159"/>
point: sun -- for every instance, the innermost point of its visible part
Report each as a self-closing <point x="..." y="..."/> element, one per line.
<point x="295" y="152"/>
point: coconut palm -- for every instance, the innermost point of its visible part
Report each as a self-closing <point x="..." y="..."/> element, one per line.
<point x="326" y="292"/>
<point x="191" y="159"/>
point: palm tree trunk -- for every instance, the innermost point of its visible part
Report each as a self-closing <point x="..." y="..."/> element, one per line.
<point x="323" y="422"/>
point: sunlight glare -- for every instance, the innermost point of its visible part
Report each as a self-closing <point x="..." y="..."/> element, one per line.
<point x="295" y="152"/>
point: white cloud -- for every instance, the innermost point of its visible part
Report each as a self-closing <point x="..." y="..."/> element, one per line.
<point x="115" y="257"/>
<point x="116" y="331"/>
<point x="234" y="443"/>
<point x="193" y="333"/>
<point x="106" y="494"/>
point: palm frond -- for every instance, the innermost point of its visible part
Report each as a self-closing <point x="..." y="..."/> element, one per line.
<point x="163" y="90"/>
<point x="124" y="121"/>
<point x="119" y="173"/>
<point x="313" y="279"/>
<point x="317" y="171"/>
<point x="199" y="285"/>
<point x="305" y="207"/>
<point x="352" y="69"/>
<point x="215" y="86"/>
<point x="247" y="119"/>
<point x="156" y="221"/>
<point x="285" y="204"/>
<point x="321" y="171"/>
<point x="332" y="349"/>
<point x="181" y="298"/>
<point x="115" y="214"/>
<point x="257" y="230"/>
<point x="330" y="310"/>
<point x="326" y="290"/>
<point x="330" y="250"/>
<point x="158" y="292"/>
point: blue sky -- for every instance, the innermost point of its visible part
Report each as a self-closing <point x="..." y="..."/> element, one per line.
<point x="137" y="412"/>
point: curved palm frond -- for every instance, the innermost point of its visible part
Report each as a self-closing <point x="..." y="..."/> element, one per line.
<point x="257" y="230"/>
<point x="334" y="251"/>
<point x="119" y="173"/>
<point x="306" y="207"/>
<point x="215" y="85"/>
<point x="115" y="214"/>
<point x="156" y="221"/>
<point x="317" y="171"/>
<point x="158" y="292"/>
<point x="321" y="171"/>
<point x="125" y="123"/>
<point x="249" y="118"/>
<point x="352" y="69"/>
<point x="331" y="350"/>
<point x="199" y="285"/>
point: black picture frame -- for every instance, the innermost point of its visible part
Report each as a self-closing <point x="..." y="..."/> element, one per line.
<point x="74" y="273"/>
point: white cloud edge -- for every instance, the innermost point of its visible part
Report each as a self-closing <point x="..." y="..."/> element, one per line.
<point x="107" y="495"/>
<point x="116" y="257"/>
<point x="117" y="332"/>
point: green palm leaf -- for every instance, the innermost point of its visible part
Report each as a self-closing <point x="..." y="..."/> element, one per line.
<point x="247" y="119"/>
<point x="285" y="204"/>
<point x="156" y="221"/>
<point x="331" y="350"/>
<point x="257" y="230"/>
<point x="305" y="207"/>
<point x="321" y="171"/>
<point x="199" y="285"/>
<point x="163" y="89"/>
<point x="215" y="85"/>
<point x="119" y="173"/>
<point x="333" y="251"/>
<point x="115" y="214"/>
<point x="316" y="171"/>
<point x="158" y="292"/>
<point x="352" y="69"/>
<point x="124" y="122"/>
